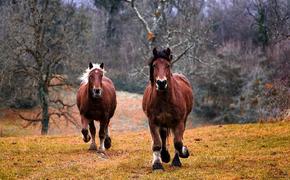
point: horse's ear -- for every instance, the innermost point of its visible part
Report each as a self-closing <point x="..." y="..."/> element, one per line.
<point x="170" y="58"/>
<point x="91" y="65"/>
<point x="155" y="52"/>
<point x="102" y="65"/>
<point x="168" y="52"/>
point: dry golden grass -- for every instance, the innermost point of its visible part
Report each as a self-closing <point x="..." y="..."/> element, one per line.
<point x="251" y="151"/>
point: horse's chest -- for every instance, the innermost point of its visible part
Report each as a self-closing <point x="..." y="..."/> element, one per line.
<point x="165" y="116"/>
<point x="96" y="113"/>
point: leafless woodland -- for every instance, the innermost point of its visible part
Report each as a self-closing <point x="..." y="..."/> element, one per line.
<point x="236" y="53"/>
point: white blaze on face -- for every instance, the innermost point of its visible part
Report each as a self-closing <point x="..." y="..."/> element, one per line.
<point x="156" y="157"/>
<point x="161" y="79"/>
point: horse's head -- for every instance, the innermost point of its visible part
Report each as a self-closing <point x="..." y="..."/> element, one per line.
<point x="95" y="80"/>
<point x="160" y="65"/>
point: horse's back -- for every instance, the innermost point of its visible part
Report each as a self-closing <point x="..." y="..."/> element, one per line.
<point x="181" y="77"/>
<point x="109" y="85"/>
<point x="111" y="94"/>
<point x="108" y="81"/>
<point x="186" y="89"/>
<point x="81" y="93"/>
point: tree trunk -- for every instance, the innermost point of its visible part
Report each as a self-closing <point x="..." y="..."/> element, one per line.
<point x="43" y="96"/>
<point x="262" y="28"/>
<point x="113" y="27"/>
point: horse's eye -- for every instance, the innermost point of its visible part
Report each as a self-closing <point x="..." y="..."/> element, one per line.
<point x="168" y="66"/>
<point x="154" y="65"/>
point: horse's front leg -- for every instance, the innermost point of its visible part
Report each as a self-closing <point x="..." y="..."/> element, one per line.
<point x="180" y="149"/>
<point x="156" y="148"/>
<point x="108" y="142"/>
<point x="102" y="134"/>
<point x="85" y="132"/>
<point x="93" y="145"/>
<point x="165" y="156"/>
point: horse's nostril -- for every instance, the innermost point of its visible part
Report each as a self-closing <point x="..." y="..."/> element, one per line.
<point x="161" y="84"/>
<point x="97" y="91"/>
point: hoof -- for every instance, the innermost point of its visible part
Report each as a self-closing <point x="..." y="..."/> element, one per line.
<point x="176" y="161"/>
<point x="87" y="139"/>
<point x="86" y="136"/>
<point x="157" y="166"/>
<point x="101" y="151"/>
<point x="165" y="156"/>
<point x="93" y="146"/>
<point x="184" y="153"/>
<point x="107" y="142"/>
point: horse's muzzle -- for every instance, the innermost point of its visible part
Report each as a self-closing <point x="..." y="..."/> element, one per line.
<point x="161" y="85"/>
<point x="96" y="93"/>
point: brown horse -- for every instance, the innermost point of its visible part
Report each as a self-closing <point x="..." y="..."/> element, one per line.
<point x="96" y="100"/>
<point x="167" y="101"/>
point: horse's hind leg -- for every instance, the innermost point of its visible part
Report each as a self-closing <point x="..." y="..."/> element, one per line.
<point x="180" y="150"/>
<point x="93" y="145"/>
<point x="85" y="132"/>
<point x="156" y="162"/>
<point x="165" y="156"/>
<point x="108" y="141"/>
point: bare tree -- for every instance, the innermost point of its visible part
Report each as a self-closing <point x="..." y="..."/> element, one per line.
<point x="38" y="41"/>
<point x="271" y="19"/>
<point x="178" y="34"/>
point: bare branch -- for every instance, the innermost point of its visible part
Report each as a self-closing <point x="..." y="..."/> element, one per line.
<point x="251" y="14"/>
<point x="198" y="60"/>
<point x="179" y="44"/>
<point x="183" y="53"/>
<point x="30" y="119"/>
<point x="61" y="102"/>
<point x="143" y="21"/>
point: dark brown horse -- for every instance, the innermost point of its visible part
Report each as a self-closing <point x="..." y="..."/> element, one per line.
<point x="167" y="101"/>
<point x="96" y="100"/>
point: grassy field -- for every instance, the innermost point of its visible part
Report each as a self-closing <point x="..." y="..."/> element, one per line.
<point x="128" y="116"/>
<point x="251" y="151"/>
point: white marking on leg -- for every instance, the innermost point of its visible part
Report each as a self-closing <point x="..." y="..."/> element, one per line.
<point x="183" y="150"/>
<point x="156" y="157"/>
<point x="107" y="131"/>
<point x="102" y="144"/>
<point x="176" y="152"/>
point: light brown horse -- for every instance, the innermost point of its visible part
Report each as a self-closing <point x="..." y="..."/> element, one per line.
<point x="167" y="101"/>
<point x="96" y="100"/>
